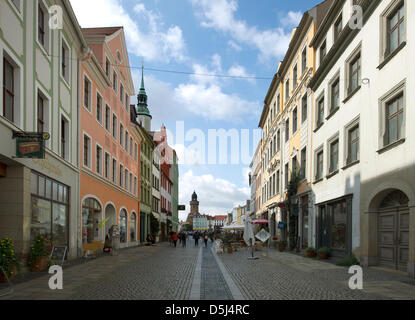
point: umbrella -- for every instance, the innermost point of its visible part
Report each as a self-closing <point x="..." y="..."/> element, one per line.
<point x="234" y="227"/>
<point x="260" y="221"/>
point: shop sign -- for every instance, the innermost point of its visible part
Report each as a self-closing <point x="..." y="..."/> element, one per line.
<point x="30" y="144"/>
<point x="181" y="208"/>
<point x="263" y="235"/>
<point x="59" y="253"/>
<point x="281" y="226"/>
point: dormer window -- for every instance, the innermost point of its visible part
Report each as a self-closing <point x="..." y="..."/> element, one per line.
<point x="338" y="27"/>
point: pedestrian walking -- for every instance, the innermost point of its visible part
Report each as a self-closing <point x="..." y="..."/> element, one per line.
<point x="171" y="237"/>
<point x="184" y="238"/>
<point x="196" y="237"/>
<point x="174" y="238"/>
<point x="206" y="238"/>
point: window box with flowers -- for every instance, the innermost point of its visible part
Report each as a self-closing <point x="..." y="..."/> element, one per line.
<point x="8" y="260"/>
<point x="38" y="257"/>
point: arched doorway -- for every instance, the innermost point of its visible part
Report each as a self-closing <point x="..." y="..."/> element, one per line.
<point x="110" y="217"/>
<point x="133" y="227"/>
<point x="123" y="226"/>
<point x="393" y="230"/>
<point x="91" y="218"/>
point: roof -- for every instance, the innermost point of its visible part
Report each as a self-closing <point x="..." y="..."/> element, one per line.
<point x="107" y="31"/>
<point x="220" y="217"/>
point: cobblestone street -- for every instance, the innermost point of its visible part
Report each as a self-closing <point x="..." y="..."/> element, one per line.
<point x="166" y="273"/>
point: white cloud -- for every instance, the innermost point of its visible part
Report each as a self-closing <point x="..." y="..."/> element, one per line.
<point x="204" y="95"/>
<point x="219" y="15"/>
<point x="148" y="39"/>
<point x="234" y="45"/>
<point x="216" y="196"/>
<point x="292" y="18"/>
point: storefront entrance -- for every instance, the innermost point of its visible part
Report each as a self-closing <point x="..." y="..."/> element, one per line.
<point x="91" y="218"/>
<point x="393" y="232"/>
<point x="110" y="218"/>
<point x="334" y="226"/>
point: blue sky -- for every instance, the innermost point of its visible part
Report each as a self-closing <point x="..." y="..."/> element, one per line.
<point x="228" y="37"/>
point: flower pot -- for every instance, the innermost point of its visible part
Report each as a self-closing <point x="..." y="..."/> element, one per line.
<point x="323" y="256"/>
<point x="3" y="278"/>
<point x="39" y="265"/>
<point x="311" y="254"/>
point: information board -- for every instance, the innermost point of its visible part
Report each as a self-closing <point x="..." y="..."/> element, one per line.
<point x="59" y="253"/>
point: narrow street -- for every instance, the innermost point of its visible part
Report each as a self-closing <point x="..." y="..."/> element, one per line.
<point x="163" y="272"/>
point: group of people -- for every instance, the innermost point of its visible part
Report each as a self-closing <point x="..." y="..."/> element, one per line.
<point x="182" y="237"/>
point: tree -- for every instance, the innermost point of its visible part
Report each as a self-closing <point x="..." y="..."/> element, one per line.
<point x="154" y="226"/>
<point x="291" y="193"/>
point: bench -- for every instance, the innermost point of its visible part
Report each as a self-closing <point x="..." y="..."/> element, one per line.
<point x="92" y="246"/>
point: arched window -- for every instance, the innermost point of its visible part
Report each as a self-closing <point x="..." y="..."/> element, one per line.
<point x="123" y="226"/>
<point x="133" y="227"/>
<point x="394" y="199"/>
<point x="91" y="217"/>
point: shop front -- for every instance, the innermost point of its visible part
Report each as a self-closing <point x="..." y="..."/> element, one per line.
<point x="334" y="226"/>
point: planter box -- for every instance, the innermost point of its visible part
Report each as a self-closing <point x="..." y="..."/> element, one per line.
<point x="323" y="256"/>
<point x="311" y="254"/>
<point x="3" y="277"/>
<point x="39" y="265"/>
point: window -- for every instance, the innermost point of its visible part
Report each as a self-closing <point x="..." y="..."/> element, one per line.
<point x="135" y="185"/>
<point x="107" y="118"/>
<point x="123" y="226"/>
<point x="287" y="90"/>
<point x="278" y="182"/>
<point x="287" y="130"/>
<point x="286" y="171"/>
<point x="133" y="227"/>
<point x="126" y="141"/>
<point x="131" y="147"/>
<point x="114" y="170"/>
<point x="295" y="120"/>
<point x="121" y="135"/>
<point x="121" y="181"/>
<point x="396" y="29"/>
<point x="126" y="101"/>
<point x="303" y="163"/>
<point x="323" y="52"/>
<point x="278" y="140"/>
<point x="334" y="156"/>
<point x="64" y="138"/>
<point x="335" y="95"/>
<point x="131" y="183"/>
<point x="353" y="145"/>
<point x="87" y="94"/>
<point x="99" y="108"/>
<point x="394" y="120"/>
<point x="304" y="108"/>
<point x="115" y="82"/>
<point x="87" y="151"/>
<point x="40" y="113"/>
<point x="98" y="164"/>
<point x="320" y="112"/>
<point x="41" y="25"/>
<point x="304" y="60"/>
<point x="126" y="179"/>
<point x="338" y="27"/>
<point x="121" y="92"/>
<point x="107" y="164"/>
<point x="295" y="76"/>
<point x="65" y="61"/>
<point x="9" y="92"/>
<point x="108" y="68"/>
<point x="50" y="210"/>
<point x="114" y="126"/>
<point x="355" y="70"/>
<point x="136" y="152"/>
<point x="319" y="165"/>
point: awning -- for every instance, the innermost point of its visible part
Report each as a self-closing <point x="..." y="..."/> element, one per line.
<point x="260" y="221"/>
<point x="234" y="227"/>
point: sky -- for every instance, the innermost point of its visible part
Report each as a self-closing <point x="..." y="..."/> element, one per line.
<point x="242" y="41"/>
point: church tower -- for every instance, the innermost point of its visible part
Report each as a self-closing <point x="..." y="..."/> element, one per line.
<point x="194" y="204"/>
<point x="143" y="114"/>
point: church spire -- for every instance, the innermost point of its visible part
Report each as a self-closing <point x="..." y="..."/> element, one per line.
<point x="142" y="106"/>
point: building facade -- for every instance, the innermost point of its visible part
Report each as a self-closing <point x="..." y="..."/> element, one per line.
<point x="109" y="151"/>
<point x="40" y="73"/>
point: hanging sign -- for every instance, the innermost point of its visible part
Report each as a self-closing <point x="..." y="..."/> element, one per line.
<point x="263" y="235"/>
<point x="30" y="144"/>
<point x="281" y="225"/>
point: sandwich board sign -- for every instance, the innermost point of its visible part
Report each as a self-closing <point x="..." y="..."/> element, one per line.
<point x="59" y="254"/>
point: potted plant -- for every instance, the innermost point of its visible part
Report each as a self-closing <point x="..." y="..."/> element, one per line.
<point x="8" y="260"/>
<point x="323" y="253"/>
<point x="311" y="252"/>
<point x="282" y="245"/>
<point x="38" y="256"/>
